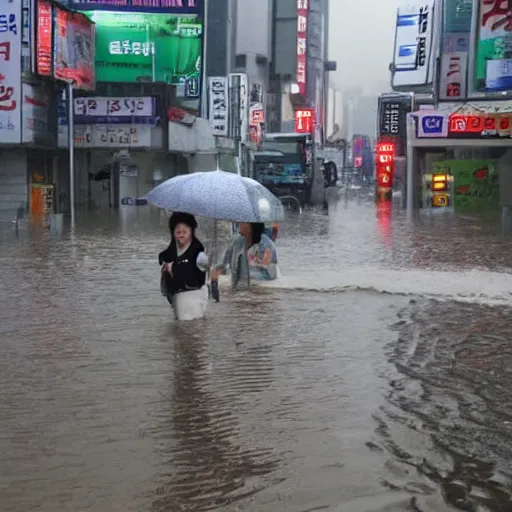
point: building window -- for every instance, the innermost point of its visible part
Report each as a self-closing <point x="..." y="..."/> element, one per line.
<point x="241" y="61"/>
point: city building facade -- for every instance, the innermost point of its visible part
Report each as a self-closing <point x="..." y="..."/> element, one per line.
<point x="454" y="57"/>
<point x="139" y="73"/>
<point x="282" y="47"/>
<point x="300" y="65"/>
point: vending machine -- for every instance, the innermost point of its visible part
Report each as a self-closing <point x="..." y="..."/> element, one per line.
<point x="438" y="190"/>
<point x="42" y="200"/>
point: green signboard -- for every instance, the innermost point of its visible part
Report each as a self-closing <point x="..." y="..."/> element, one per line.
<point x="476" y="183"/>
<point x="140" y="47"/>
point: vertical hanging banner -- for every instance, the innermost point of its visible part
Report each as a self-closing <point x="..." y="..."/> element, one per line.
<point x="302" y="43"/>
<point x="240" y="82"/>
<point x="27" y="40"/>
<point x="454" y="49"/>
<point x="256" y="112"/>
<point x="393" y="110"/>
<point x="10" y="72"/>
<point x="452" y="80"/>
<point x="218" y="102"/>
<point x="44" y="65"/>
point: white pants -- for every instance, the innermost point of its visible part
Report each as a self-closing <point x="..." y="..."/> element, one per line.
<point x="190" y="305"/>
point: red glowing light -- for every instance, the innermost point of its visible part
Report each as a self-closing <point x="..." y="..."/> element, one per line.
<point x="304" y="120"/>
<point x="385" y="148"/>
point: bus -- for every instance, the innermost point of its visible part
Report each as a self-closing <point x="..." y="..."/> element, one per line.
<point x="285" y="163"/>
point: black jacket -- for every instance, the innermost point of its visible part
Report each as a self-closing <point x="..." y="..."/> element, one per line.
<point x="186" y="274"/>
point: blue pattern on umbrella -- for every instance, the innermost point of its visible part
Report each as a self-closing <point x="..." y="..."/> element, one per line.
<point x="218" y="195"/>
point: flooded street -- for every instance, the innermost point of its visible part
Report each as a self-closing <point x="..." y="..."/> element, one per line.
<point x="375" y="376"/>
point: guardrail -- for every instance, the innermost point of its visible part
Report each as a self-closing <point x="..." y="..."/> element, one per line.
<point x="14" y="219"/>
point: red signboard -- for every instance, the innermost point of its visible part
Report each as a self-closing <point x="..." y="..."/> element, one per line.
<point x="385" y="147"/>
<point x="304" y="120"/>
<point x="178" y="115"/>
<point x="257" y="116"/>
<point x="74" y="49"/>
<point x="480" y="125"/>
<point x="44" y="38"/>
<point x="385" y="165"/>
<point x="302" y="37"/>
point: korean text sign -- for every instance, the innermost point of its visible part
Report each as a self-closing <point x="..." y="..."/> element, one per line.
<point x="139" y="47"/>
<point x="10" y="72"/>
<point x="302" y="38"/>
<point x="115" y="110"/>
<point x="219" y="105"/>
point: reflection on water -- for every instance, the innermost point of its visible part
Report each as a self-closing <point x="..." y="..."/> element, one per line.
<point x="204" y="463"/>
<point x="358" y="394"/>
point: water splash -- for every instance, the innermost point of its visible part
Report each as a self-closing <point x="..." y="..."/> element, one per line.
<point x="469" y="286"/>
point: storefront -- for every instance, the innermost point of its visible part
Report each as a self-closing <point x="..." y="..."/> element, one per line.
<point x="28" y="131"/>
<point x="464" y="150"/>
<point x="29" y="162"/>
<point x="116" y="140"/>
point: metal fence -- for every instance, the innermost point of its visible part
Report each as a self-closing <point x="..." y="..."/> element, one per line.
<point x="11" y="219"/>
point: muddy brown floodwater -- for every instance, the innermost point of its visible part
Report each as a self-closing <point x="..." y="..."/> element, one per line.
<point x="376" y="376"/>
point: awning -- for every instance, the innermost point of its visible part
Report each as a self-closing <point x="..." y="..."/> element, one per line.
<point x="196" y="137"/>
<point x="481" y="124"/>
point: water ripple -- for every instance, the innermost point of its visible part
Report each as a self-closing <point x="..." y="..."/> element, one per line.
<point x="279" y="400"/>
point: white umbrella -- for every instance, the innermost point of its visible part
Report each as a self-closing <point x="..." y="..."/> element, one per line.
<point x="218" y="195"/>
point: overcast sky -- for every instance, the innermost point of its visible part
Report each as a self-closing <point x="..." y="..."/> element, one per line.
<point x="361" y="36"/>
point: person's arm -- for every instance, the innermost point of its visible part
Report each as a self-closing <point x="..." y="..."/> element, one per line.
<point x="165" y="256"/>
<point x="266" y="259"/>
<point x="165" y="261"/>
<point x="223" y="268"/>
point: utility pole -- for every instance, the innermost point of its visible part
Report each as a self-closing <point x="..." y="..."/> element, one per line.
<point x="71" y="143"/>
<point x="204" y="77"/>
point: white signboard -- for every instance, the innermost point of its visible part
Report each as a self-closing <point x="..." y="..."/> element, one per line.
<point x="114" y="107"/>
<point x="452" y="80"/>
<point x="10" y="72"/>
<point x="218" y="105"/>
<point x="108" y="136"/>
<point x="413" y="45"/>
<point x="241" y="80"/>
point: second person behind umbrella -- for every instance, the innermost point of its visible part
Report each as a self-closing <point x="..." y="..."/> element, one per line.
<point x="252" y="255"/>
